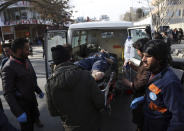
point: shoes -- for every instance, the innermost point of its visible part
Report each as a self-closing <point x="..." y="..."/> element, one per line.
<point x="38" y="123"/>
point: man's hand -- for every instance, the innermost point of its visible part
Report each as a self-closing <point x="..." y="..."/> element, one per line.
<point x="22" y="117"/>
<point x="136" y="102"/>
<point x="41" y="95"/>
<point x="126" y="82"/>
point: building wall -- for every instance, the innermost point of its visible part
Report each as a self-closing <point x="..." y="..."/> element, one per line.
<point x="23" y="20"/>
<point x="175" y="16"/>
<point x="177" y="20"/>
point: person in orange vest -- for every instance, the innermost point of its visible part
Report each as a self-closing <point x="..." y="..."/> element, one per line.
<point x="164" y="105"/>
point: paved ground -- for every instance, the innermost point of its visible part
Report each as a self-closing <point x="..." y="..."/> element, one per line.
<point x="120" y="119"/>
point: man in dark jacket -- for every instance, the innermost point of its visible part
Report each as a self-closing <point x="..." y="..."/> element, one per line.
<point x="73" y="94"/>
<point x="138" y="85"/>
<point x="19" y="85"/>
<point x="164" y="105"/>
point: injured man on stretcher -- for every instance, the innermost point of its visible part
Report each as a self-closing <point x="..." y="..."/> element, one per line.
<point x="98" y="64"/>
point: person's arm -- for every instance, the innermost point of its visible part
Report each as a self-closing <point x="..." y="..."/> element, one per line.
<point x="127" y="83"/>
<point x="141" y="79"/>
<point x="133" y="66"/>
<point x="8" y="83"/>
<point x="173" y="100"/>
<point x="36" y="87"/>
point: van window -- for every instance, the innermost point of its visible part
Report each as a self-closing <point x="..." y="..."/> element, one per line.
<point x="54" y="39"/>
<point x="92" y="40"/>
<point x="106" y="35"/>
<point x="138" y="34"/>
<point x="75" y="39"/>
<point x="83" y="37"/>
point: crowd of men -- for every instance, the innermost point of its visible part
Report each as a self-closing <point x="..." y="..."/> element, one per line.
<point x="173" y="35"/>
<point x="158" y="103"/>
<point x="73" y="94"/>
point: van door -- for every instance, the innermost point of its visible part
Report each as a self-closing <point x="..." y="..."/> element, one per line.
<point x="52" y="38"/>
<point x="134" y="33"/>
<point x="130" y="54"/>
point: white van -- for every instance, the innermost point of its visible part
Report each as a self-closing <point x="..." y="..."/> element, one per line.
<point x="86" y="38"/>
<point x="107" y="35"/>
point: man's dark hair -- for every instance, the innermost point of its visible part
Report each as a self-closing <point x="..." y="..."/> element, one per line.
<point x="160" y="50"/>
<point x="148" y="31"/>
<point x="157" y="36"/>
<point x="139" y="44"/>
<point x="61" y="53"/>
<point x="18" y="44"/>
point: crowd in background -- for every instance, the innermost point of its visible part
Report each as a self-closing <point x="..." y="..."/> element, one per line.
<point x="173" y="35"/>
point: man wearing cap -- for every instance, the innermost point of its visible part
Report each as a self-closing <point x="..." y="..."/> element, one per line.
<point x="73" y="94"/>
<point x="164" y="99"/>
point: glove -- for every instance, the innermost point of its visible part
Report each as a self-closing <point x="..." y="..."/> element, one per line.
<point x="41" y="95"/>
<point x="22" y="117"/>
<point x="136" y="102"/>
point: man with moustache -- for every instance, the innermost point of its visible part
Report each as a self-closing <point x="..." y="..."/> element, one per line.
<point x="164" y="105"/>
<point x="19" y="85"/>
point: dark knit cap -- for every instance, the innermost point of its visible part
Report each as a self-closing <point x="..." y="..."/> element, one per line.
<point x="60" y="54"/>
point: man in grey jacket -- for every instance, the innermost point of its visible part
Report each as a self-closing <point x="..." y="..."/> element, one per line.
<point x="73" y="94"/>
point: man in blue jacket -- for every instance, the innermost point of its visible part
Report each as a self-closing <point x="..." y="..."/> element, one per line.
<point x="164" y="99"/>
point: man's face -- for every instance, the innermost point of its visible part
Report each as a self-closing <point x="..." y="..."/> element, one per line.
<point x="149" y="62"/>
<point x="25" y="51"/>
<point x="7" y="51"/>
<point x="139" y="53"/>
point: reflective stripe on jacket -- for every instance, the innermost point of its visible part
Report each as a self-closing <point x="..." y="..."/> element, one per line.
<point x="165" y="99"/>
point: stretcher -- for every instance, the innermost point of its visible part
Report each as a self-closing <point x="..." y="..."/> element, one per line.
<point x="103" y="72"/>
<point x="108" y="86"/>
<point x="109" y="91"/>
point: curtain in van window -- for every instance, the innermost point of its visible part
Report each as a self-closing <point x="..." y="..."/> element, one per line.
<point x="75" y="41"/>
